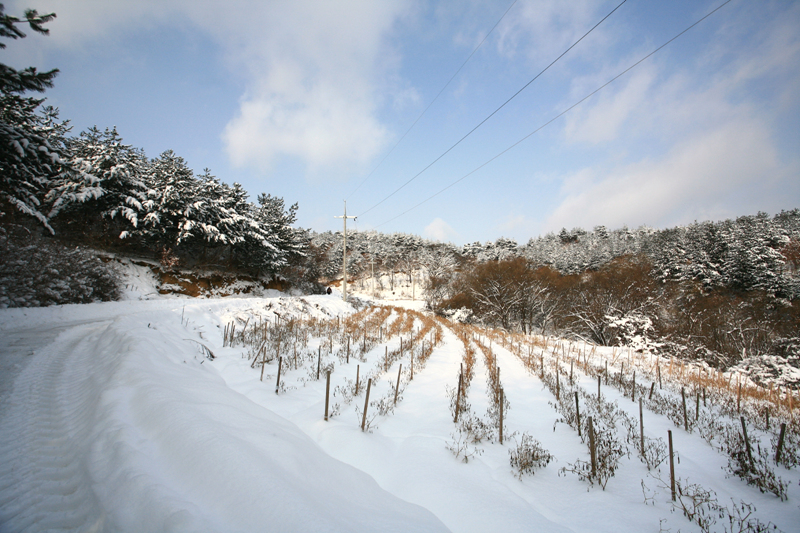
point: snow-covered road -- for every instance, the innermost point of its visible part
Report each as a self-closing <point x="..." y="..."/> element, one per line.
<point x="111" y="421"/>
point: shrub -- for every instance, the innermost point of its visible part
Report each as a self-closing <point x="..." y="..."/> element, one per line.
<point x="37" y="271"/>
<point x="528" y="456"/>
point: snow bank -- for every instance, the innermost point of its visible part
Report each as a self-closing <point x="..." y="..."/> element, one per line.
<point x="121" y="425"/>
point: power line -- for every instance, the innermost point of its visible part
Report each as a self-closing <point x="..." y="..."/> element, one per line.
<point x="495" y="111"/>
<point x="567" y="110"/>
<point x="434" y="100"/>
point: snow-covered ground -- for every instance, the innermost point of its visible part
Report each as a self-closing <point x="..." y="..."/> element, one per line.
<point x="114" y="418"/>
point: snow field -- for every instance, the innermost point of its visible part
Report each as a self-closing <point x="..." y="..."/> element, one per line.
<point x="133" y="430"/>
<point x="114" y="418"/>
<point x="699" y="457"/>
<point x="563" y="439"/>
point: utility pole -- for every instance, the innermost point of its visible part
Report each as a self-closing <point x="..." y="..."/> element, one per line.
<point x="344" y="253"/>
<point x="372" y="260"/>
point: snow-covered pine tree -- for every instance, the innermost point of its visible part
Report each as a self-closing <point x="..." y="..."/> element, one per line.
<point x="506" y="248"/>
<point x="103" y="189"/>
<point x="270" y="241"/>
<point x="222" y="214"/>
<point x="753" y="261"/>
<point x="172" y="201"/>
<point x="329" y="247"/>
<point x="31" y="142"/>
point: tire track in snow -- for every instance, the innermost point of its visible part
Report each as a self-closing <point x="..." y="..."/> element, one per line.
<point x="45" y="433"/>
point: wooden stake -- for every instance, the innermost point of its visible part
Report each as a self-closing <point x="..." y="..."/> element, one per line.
<point x="348" y="350"/>
<point x="498" y="373"/>
<point x="697" y="408"/>
<point x="501" y="416"/>
<point x="633" y="387"/>
<point x="558" y="386"/>
<point x="685" y="418"/>
<point x="358" y="372"/>
<point x="658" y="373"/>
<point x="739" y="399"/>
<point x="278" y="383"/>
<point x="652" y="386"/>
<point x="319" y="360"/>
<point x="578" y="413"/>
<point x="598" y="387"/>
<point x="641" y="426"/>
<point x="458" y="393"/>
<point x="671" y="465"/>
<point x="386" y="359"/>
<point x="327" y="393"/>
<point x="570" y="371"/>
<point x="412" y="365"/>
<point x="746" y="441"/>
<point x="592" y="450"/>
<point x="397" y="387"/>
<point x="780" y="442"/>
<point x="366" y="404"/>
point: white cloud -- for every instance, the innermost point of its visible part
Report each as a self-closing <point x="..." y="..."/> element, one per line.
<point x="321" y="125"/>
<point x="603" y="120"/>
<point x="314" y="70"/>
<point x="543" y="29"/>
<point x="439" y="230"/>
<point x="731" y="170"/>
<point x="512" y="223"/>
<point x="707" y="146"/>
<point x="316" y="83"/>
<point x="740" y="73"/>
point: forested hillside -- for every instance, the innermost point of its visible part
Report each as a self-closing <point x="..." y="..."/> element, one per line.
<point x="725" y="292"/>
<point x="59" y="191"/>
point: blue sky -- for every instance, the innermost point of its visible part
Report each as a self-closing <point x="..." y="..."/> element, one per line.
<point x="304" y="99"/>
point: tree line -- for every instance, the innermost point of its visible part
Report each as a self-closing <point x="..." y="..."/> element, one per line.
<point x="94" y="189"/>
<point x="719" y="291"/>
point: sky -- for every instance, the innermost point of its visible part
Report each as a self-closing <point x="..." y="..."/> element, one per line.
<point x="314" y="102"/>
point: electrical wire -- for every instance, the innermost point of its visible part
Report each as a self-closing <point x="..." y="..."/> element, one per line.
<point x="432" y="101"/>
<point x="567" y="110"/>
<point x="418" y="174"/>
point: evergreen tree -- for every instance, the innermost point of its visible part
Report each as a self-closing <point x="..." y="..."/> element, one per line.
<point x="270" y="242"/>
<point x="172" y="200"/>
<point x="103" y="189"/>
<point x="221" y="213"/>
<point x="31" y="143"/>
<point x="752" y="261"/>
